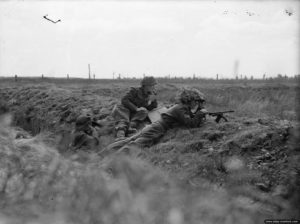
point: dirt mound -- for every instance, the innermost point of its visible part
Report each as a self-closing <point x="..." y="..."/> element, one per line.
<point x="261" y="147"/>
<point x="244" y="169"/>
<point x="43" y="108"/>
<point x="37" y="183"/>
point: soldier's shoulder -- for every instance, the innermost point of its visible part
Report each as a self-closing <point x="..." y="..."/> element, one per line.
<point x="178" y="107"/>
<point x="174" y="109"/>
<point x="78" y="133"/>
<point x="133" y="89"/>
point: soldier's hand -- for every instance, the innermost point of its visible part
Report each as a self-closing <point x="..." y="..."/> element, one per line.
<point x="141" y="109"/>
<point x="94" y="132"/>
<point x="204" y="111"/>
<point x="152" y="97"/>
<point x="201" y="113"/>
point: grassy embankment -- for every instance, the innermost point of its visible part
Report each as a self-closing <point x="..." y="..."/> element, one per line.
<point x="36" y="180"/>
<point x="40" y="186"/>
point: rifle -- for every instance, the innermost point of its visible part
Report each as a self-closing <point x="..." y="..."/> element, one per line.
<point x="219" y="115"/>
<point x="96" y="124"/>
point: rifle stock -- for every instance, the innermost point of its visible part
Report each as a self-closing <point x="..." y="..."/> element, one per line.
<point x="220" y="115"/>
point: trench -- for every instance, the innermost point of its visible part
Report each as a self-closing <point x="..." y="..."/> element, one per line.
<point x="55" y="114"/>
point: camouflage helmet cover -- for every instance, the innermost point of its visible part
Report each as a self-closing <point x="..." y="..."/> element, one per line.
<point x="187" y="95"/>
<point x="148" y="81"/>
<point x="83" y="120"/>
<point x="197" y="95"/>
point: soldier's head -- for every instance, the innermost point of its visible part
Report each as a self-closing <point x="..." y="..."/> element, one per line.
<point x="3" y="107"/>
<point x="199" y="98"/>
<point x="191" y="97"/>
<point x="83" y="123"/>
<point x="148" y="84"/>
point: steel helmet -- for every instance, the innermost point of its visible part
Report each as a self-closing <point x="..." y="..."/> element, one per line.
<point x="83" y="120"/>
<point x="148" y="81"/>
<point x="197" y="95"/>
<point x="187" y="95"/>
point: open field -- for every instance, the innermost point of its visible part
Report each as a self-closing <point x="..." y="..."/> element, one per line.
<point x="242" y="171"/>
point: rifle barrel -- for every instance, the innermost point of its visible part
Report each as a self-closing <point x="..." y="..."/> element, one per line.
<point x="222" y="112"/>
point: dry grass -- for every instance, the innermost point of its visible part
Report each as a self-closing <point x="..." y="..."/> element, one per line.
<point x="37" y="182"/>
<point x="201" y="181"/>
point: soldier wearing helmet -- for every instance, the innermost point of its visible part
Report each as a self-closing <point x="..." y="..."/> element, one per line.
<point x="134" y="107"/>
<point x="192" y="97"/>
<point x="85" y="135"/>
<point x="188" y="112"/>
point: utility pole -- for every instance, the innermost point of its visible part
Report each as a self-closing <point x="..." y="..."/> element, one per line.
<point x="89" y="71"/>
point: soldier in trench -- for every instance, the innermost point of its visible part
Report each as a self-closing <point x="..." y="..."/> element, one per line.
<point x="189" y="112"/>
<point x="85" y="136"/>
<point x="134" y="107"/>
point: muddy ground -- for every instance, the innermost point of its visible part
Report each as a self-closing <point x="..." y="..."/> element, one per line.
<point x="242" y="171"/>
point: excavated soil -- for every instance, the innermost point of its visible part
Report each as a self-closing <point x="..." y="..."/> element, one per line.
<point x="242" y="171"/>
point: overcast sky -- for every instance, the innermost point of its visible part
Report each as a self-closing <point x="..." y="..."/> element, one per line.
<point x="180" y="38"/>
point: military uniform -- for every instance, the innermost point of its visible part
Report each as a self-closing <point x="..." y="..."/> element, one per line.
<point x="84" y="135"/>
<point x="126" y="114"/>
<point x="177" y="116"/>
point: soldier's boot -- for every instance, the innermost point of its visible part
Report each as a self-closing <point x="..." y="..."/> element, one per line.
<point x="133" y="125"/>
<point x="121" y="134"/>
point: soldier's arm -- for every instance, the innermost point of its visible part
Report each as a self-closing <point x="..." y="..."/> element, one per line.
<point x="152" y="105"/>
<point x="127" y="100"/>
<point x="184" y="118"/>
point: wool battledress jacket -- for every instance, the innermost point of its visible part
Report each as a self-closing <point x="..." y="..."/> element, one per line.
<point x="177" y="116"/>
<point x="137" y="98"/>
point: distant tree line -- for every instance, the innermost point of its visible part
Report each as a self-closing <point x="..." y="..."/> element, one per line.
<point x="238" y="78"/>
